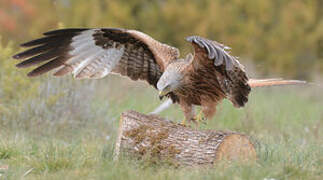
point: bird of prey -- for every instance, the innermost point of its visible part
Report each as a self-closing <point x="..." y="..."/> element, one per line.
<point x="203" y="79"/>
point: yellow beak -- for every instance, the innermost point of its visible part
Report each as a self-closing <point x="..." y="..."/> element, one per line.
<point x="162" y="93"/>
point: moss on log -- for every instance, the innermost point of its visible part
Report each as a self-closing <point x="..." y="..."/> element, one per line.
<point x="149" y="136"/>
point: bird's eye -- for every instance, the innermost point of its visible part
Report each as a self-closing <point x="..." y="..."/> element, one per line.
<point x="168" y="86"/>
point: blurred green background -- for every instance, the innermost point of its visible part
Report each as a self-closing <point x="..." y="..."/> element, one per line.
<point x="60" y="128"/>
<point x="281" y="37"/>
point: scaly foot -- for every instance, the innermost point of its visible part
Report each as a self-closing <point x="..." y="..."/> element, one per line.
<point x="183" y="122"/>
<point x="199" y="118"/>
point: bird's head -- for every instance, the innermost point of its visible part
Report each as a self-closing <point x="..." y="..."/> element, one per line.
<point x="171" y="79"/>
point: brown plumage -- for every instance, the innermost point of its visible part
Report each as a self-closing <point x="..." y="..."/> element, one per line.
<point x="204" y="79"/>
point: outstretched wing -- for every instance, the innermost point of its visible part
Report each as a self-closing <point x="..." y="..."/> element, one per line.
<point x="94" y="53"/>
<point x="230" y="74"/>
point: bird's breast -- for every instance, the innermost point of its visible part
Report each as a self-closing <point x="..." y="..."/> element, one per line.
<point x="201" y="86"/>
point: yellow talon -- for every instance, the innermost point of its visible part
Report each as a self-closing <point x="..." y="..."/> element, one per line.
<point x="196" y="120"/>
<point x="199" y="117"/>
<point x="183" y="122"/>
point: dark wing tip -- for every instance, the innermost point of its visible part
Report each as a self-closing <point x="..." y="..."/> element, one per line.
<point x="55" y="44"/>
<point x="38" y="41"/>
<point x="20" y="65"/>
<point x="33" y="74"/>
<point x="16" y="56"/>
<point x="26" y="44"/>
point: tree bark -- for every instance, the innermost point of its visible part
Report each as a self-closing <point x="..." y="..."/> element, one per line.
<point x="155" y="138"/>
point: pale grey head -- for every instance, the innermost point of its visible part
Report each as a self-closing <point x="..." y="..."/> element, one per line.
<point x="172" y="78"/>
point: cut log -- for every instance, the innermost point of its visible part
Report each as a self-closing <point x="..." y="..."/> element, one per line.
<point x="152" y="137"/>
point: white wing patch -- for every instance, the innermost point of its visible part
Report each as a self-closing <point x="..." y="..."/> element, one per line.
<point x="101" y="65"/>
<point x="92" y="61"/>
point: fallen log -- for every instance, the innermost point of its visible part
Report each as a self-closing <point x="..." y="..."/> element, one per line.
<point x="152" y="137"/>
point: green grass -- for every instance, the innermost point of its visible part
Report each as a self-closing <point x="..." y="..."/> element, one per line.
<point x="284" y="122"/>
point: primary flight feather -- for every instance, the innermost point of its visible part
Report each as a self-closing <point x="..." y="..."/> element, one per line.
<point x="203" y="79"/>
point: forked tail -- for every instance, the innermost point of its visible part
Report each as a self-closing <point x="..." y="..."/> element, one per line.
<point x="273" y="82"/>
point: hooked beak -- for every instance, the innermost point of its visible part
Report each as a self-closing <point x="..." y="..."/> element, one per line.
<point x="163" y="93"/>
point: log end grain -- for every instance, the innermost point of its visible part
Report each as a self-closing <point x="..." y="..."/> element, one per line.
<point x="236" y="147"/>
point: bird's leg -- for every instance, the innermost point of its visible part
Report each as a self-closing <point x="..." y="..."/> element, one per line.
<point x="208" y="108"/>
<point x="199" y="117"/>
<point x="188" y="110"/>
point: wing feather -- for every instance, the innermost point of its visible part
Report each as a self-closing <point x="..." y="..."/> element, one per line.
<point x="52" y="64"/>
<point x="230" y="74"/>
<point x="94" y="53"/>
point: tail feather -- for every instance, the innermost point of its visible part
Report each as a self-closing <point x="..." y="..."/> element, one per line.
<point x="273" y="82"/>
